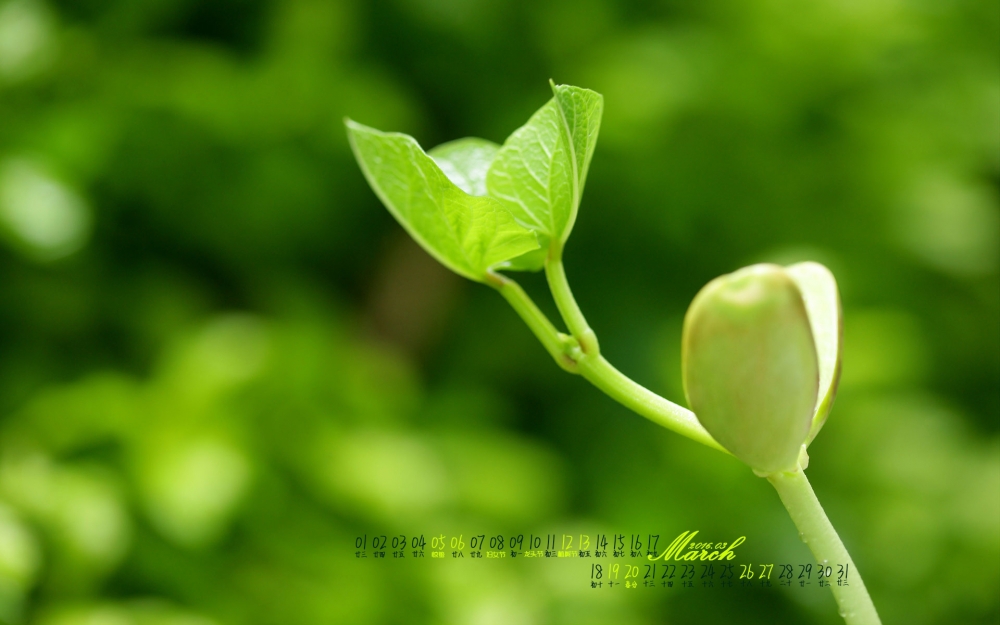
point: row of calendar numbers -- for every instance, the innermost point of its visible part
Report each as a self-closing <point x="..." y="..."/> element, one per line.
<point x="638" y="544"/>
<point x="725" y="575"/>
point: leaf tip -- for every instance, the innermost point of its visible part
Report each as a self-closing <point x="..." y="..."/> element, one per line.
<point x="352" y="127"/>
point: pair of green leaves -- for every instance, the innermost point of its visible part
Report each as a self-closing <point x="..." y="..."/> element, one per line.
<point x="761" y="360"/>
<point x="477" y="206"/>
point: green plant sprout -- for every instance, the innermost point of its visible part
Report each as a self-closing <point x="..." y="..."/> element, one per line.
<point x="761" y="346"/>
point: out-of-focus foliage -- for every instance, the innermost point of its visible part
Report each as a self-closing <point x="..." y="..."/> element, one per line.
<point x="221" y="359"/>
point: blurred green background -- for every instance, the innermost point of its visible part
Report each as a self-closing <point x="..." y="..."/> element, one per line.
<point x="221" y="359"/>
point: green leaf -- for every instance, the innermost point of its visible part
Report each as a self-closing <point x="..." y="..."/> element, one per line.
<point x="465" y="162"/>
<point x="581" y="110"/>
<point x="540" y="171"/>
<point x="750" y="367"/>
<point x="470" y="235"/>
<point x="819" y="292"/>
<point x="531" y="261"/>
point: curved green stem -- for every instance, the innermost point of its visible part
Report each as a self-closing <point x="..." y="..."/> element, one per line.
<point x="557" y="344"/>
<point x="566" y="303"/>
<point x="569" y="354"/>
<point x="797" y="494"/>
<point x="643" y="401"/>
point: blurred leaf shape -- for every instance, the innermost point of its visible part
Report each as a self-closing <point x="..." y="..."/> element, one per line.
<point x="387" y="474"/>
<point x="502" y="476"/>
<point x="20" y="559"/>
<point x="81" y="508"/>
<point x="227" y="351"/>
<point x="395" y="474"/>
<point x="41" y="215"/>
<point x="952" y="225"/>
<point x="27" y="40"/>
<point x="135" y="612"/>
<point x="191" y="488"/>
<point x="86" y="414"/>
<point x="651" y="76"/>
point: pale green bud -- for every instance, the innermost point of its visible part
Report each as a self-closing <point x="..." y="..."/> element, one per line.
<point x="751" y="368"/>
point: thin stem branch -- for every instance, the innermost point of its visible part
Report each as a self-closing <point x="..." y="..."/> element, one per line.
<point x="566" y="303"/>
<point x="557" y="344"/>
<point x="643" y="401"/>
<point x="816" y="530"/>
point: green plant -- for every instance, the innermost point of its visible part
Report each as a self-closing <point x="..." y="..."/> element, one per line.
<point x="761" y="346"/>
